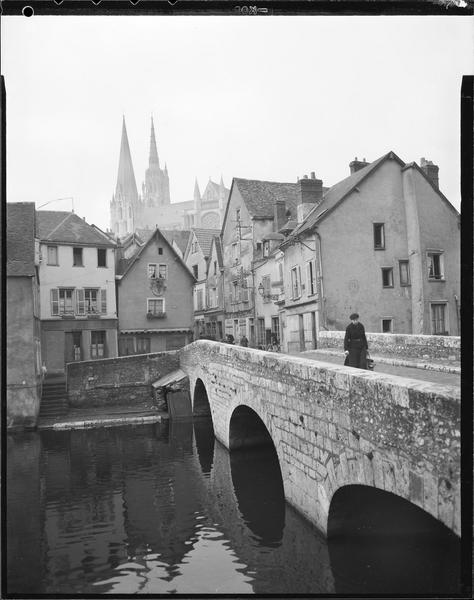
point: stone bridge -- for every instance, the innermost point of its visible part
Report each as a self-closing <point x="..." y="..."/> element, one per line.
<point x="333" y="426"/>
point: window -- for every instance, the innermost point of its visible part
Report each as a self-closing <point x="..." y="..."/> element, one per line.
<point x="260" y="332"/>
<point x="62" y="301"/>
<point x="199" y="297"/>
<point x="404" y="268"/>
<point x="435" y="265"/>
<point x="266" y="248"/>
<point x="215" y="267"/>
<point x="156" y="306"/>
<point x="259" y="246"/>
<point x="152" y="270"/>
<point x="266" y="283"/>
<point x="195" y="271"/>
<point x="387" y="325"/>
<point x="296" y="282"/>
<point x="52" y="255"/>
<point x="244" y="290"/>
<point x="379" y="236"/>
<point x="387" y="277"/>
<point x="143" y="345"/>
<point x="235" y="292"/>
<point x="237" y="214"/>
<point x="77" y="257"/>
<point x="194" y="247"/>
<point x="97" y="344"/>
<point x="276" y="327"/>
<point x="91" y="299"/>
<point x="101" y="257"/>
<point x="160" y="250"/>
<point x="438" y="319"/>
<point x="311" y="277"/>
<point x="163" y="271"/>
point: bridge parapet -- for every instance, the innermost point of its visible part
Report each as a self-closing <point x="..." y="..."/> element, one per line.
<point x="334" y="426"/>
<point x="430" y="347"/>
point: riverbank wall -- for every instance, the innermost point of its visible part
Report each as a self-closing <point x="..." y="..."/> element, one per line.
<point x="116" y="381"/>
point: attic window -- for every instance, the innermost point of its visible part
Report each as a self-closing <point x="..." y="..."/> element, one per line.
<point x="259" y="246"/>
<point x="237" y="214"/>
<point x="160" y="250"/>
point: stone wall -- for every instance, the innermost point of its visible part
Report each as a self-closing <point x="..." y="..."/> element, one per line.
<point x="407" y="346"/>
<point x="115" y="381"/>
<point x="336" y="426"/>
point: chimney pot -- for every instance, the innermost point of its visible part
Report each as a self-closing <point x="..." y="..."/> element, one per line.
<point x="356" y="165"/>
<point x="305" y="177"/>
<point x="313" y="175"/>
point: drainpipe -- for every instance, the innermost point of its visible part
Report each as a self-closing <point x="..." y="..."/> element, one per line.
<point x="458" y="315"/>
<point x="321" y="300"/>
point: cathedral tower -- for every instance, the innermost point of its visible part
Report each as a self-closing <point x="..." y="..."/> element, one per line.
<point x="125" y="202"/>
<point x="156" y="188"/>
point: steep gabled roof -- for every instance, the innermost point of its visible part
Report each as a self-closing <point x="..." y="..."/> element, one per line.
<point x="204" y="238"/>
<point x="179" y="236"/>
<point x="216" y="242"/>
<point x="67" y="228"/>
<point x="260" y="196"/>
<point x="339" y="191"/>
<point x="20" y="239"/>
<point x="125" y="265"/>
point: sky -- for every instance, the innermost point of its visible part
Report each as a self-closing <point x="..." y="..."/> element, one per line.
<point x="269" y="98"/>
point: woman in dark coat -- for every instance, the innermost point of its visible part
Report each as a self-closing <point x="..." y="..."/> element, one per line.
<point x="355" y="344"/>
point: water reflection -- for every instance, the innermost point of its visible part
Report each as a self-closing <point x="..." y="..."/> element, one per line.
<point x="158" y="509"/>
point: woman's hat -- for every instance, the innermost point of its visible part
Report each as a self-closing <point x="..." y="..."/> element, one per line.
<point x="354" y="316"/>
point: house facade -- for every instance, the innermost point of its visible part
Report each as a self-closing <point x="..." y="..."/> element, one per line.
<point x="77" y="275"/>
<point x="196" y="258"/>
<point x="214" y="313"/>
<point x="23" y="356"/>
<point x="255" y="210"/>
<point x="154" y="298"/>
<point x="385" y="243"/>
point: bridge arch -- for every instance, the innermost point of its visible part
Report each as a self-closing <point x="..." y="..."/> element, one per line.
<point x="247" y="429"/>
<point x="201" y="405"/>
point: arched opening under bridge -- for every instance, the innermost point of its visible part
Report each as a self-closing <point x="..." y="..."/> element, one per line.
<point x="256" y="476"/>
<point x="379" y="542"/>
<point x="201" y="406"/>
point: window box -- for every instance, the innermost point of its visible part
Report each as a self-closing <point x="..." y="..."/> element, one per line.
<point x="157" y="315"/>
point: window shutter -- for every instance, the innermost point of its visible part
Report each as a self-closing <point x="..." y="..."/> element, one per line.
<point x="309" y="278"/>
<point x="103" y="301"/>
<point x="80" y="303"/>
<point x="54" y="302"/>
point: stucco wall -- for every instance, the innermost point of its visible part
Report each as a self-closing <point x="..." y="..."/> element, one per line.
<point x="65" y="275"/>
<point x="23" y="377"/>
<point x="439" y="230"/>
<point x="334" y="426"/>
<point x="134" y="290"/>
<point x="406" y="346"/>
<point x="123" y="380"/>
<point x="352" y="274"/>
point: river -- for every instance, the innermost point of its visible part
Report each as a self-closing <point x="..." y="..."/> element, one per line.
<point x="164" y="508"/>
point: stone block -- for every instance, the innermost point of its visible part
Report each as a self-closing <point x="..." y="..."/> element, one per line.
<point x="416" y="489"/>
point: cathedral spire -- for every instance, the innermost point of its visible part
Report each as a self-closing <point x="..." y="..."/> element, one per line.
<point x="153" y="160"/>
<point x="126" y="185"/>
<point x="197" y="193"/>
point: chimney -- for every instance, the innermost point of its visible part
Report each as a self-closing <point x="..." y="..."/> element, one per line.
<point x="279" y="214"/>
<point x="356" y="165"/>
<point x="431" y="171"/>
<point x="310" y="193"/>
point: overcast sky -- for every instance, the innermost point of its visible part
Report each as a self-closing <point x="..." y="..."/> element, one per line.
<point x="255" y="97"/>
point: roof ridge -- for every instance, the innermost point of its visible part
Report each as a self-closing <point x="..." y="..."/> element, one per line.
<point x="58" y="225"/>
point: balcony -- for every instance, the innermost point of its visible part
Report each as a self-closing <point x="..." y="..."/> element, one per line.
<point x="156" y="315"/>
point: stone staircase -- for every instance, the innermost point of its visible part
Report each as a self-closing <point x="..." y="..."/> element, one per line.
<point x="54" y="401"/>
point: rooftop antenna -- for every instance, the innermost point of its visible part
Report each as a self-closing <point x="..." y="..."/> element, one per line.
<point x="58" y="200"/>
